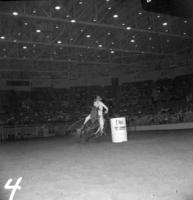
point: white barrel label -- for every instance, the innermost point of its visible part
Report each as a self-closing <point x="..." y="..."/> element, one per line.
<point x="118" y="129"/>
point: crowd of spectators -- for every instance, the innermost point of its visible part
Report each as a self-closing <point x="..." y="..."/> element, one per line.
<point x="142" y="103"/>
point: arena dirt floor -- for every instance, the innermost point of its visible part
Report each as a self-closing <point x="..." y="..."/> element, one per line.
<point x="151" y="165"/>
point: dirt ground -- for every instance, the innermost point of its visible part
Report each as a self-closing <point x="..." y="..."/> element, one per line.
<point x="151" y="165"/>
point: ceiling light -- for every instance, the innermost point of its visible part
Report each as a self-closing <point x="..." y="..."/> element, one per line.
<point x="88" y="36"/>
<point x="185" y="21"/>
<point x="139" y="13"/>
<point x="112" y="51"/>
<point x="67" y="16"/>
<point x="25" y="23"/>
<point x="15" y="13"/>
<point x="107" y="0"/>
<point x="158" y="16"/>
<point x="100" y="45"/>
<point x="132" y="41"/>
<point x="72" y="20"/>
<point x="80" y="2"/>
<point x="115" y="16"/>
<point x="123" y="24"/>
<point x="24" y="47"/>
<point x="38" y="31"/>
<point x="109" y="8"/>
<point x="94" y="20"/>
<point x="108" y="33"/>
<point x="2" y="37"/>
<point x="165" y="24"/>
<point x="59" y="42"/>
<point x="57" y="7"/>
<point x="81" y="30"/>
<point x="128" y="28"/>
<point x="34" y="11"/>
<point x="149" y="27"/>
<point x="185" y="33"/>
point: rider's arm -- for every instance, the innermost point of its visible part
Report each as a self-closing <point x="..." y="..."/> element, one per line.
<point x="104" y="106"/>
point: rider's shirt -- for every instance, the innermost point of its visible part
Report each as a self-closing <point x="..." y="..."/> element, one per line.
<point x="99" y="105"/>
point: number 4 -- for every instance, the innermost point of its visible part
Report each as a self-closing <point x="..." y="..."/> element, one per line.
<point x="15" y="187"/>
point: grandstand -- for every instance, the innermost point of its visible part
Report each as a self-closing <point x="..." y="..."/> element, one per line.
<point x="56" y="56"/>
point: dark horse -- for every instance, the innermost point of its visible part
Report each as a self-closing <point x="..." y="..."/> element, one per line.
<point x="90" y="130"/>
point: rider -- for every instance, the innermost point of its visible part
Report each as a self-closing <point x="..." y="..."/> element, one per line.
<point x="97" y="113"/>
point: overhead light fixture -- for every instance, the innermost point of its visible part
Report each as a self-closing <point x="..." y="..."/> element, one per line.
<point x="128" y="28"/>
<point x="115" y="16"/>
<point x="112" y="51"/>
<point x="59" y="42"/>
<point x="139" y="13"/>
<point x="132" y="41"/>
<point x="73" y="21"/>
<point x="34" y="11"/>
<point x="108" y="33"/>
<point x="80" y="2"/>
<point x="100" y="45"/>
<point x="164" y="23"/>
<point x="15" y="13"/>
<point x="24" y="47"/>
<point x="185" y="33"/>
<point x="88" y="36"/>
<point x="109" y="8"/>
<point x="25" y="23"/>
<point x="38" y="31"/>
<point x="57" y="7"/>
<point x="185" y="21"/>
<point x="2" y="37"/>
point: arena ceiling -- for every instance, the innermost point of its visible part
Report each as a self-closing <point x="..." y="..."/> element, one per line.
<point x="90" y="31"/>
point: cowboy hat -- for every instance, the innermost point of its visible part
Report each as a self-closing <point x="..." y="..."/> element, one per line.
<point x="98" y="98"/>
